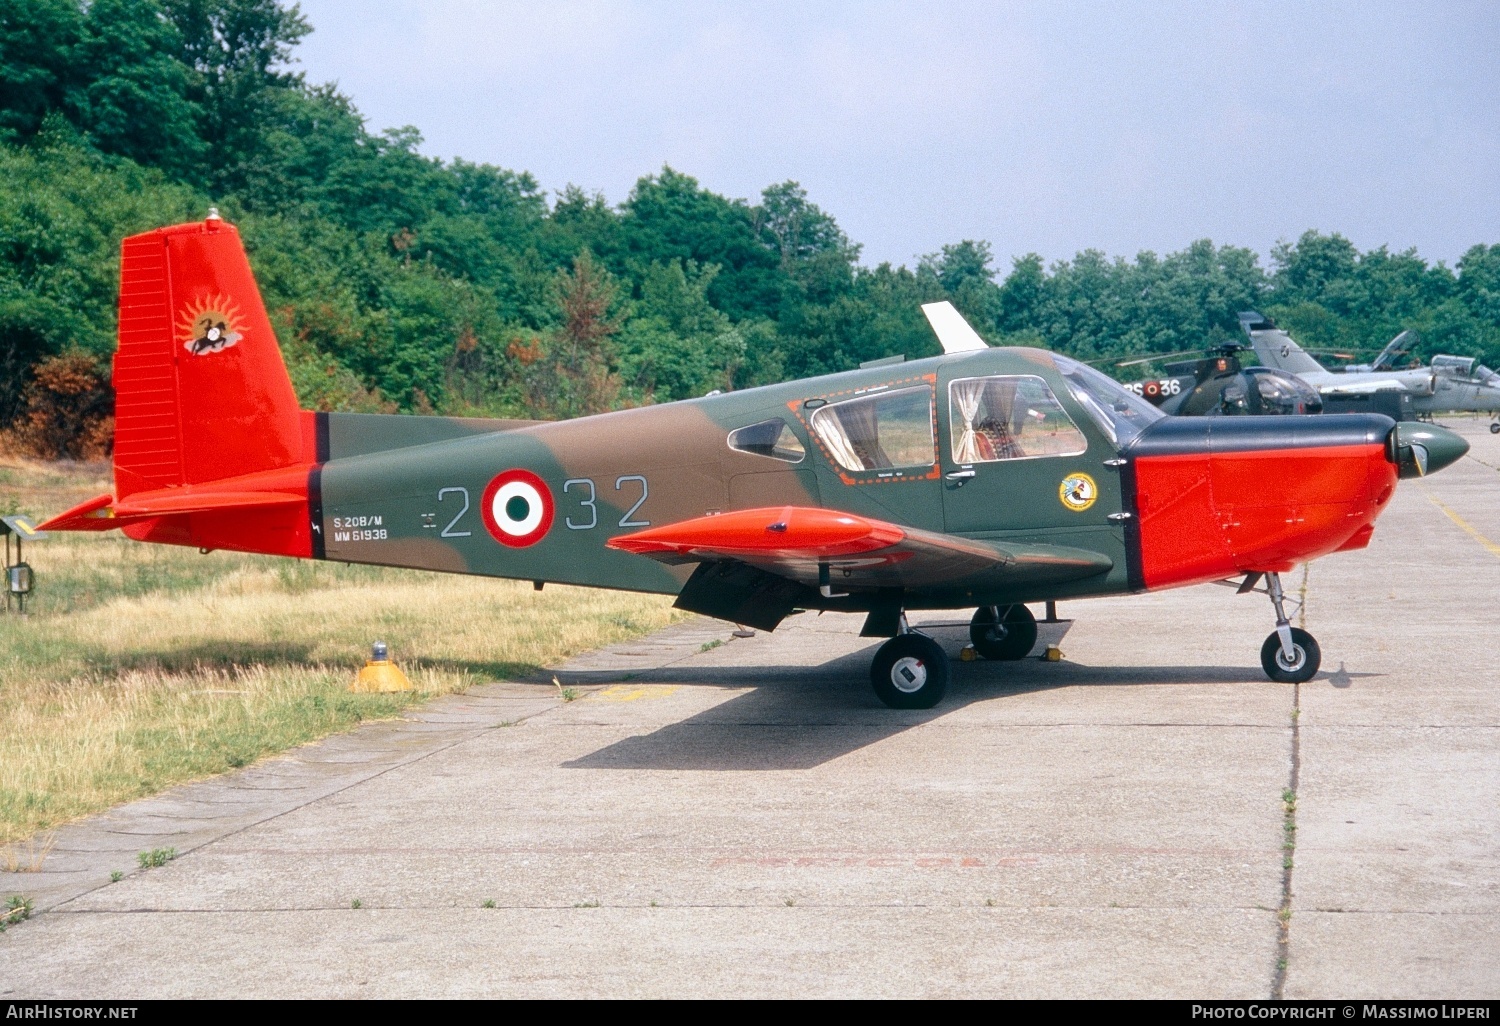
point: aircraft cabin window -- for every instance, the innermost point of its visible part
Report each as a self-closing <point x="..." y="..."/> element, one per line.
<point x="1284" y="393"/>
<point x="1120" y="414"/>
<point x="879" y="432"/>
<point x="1009" y="418"/>
<point x="773" y="438"/>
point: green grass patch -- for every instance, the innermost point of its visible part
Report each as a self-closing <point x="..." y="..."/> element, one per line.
<point x="139" y="667"/>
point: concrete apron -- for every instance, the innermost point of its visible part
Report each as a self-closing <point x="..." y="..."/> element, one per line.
<point x="743" y="818"/>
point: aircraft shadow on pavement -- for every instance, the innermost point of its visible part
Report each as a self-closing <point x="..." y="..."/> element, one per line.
<point x="1342" y="678"/>
<point x="800" y="717"/>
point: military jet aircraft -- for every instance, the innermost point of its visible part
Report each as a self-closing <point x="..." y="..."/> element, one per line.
<point x="1452" y="384"/>
<point x="983" y="478"/>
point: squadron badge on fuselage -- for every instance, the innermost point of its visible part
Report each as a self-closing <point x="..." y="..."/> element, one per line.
<point x="1078" y="492"/>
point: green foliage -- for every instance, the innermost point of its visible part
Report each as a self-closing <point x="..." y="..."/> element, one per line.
<point x="396" y="281"/>
<point x="18" y="908"/>
<point x="156" y="857"/>
<point x="1329" y="295"/>
<point x="63" y="210"/>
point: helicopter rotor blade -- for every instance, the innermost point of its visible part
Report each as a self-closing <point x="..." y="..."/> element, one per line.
<point x="1158" y="356"/>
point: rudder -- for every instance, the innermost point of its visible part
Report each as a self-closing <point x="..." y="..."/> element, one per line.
<point x="201" y="390"/>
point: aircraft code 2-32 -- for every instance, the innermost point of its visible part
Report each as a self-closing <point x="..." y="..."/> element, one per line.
<point x="581" y="492"/>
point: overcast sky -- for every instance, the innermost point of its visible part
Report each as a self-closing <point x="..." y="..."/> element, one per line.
<point x="1046" y="127"/>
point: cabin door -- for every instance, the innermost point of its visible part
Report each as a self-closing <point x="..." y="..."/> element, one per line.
<point x="1014" y="460"/>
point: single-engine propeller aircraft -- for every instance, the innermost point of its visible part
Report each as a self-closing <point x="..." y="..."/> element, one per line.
<point x="1452" y="384"/>
<point x="983" y="478"/>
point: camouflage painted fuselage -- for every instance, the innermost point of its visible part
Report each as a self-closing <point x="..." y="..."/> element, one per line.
<point x="983" y="477"/>
<point x="420" y="505"/>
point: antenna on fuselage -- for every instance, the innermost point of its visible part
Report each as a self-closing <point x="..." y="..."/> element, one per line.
<point x="952" y="330"/>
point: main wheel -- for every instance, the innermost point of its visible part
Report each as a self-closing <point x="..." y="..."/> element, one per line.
<point x="910" y="672"/>
<point x="1495" y="428"/>
<point x="1306" y="658"/>
<point x="1010" y="639"/>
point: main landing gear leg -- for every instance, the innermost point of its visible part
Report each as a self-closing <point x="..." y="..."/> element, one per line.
<point x="910" y="671"/>
<point x="1290" y="655"/>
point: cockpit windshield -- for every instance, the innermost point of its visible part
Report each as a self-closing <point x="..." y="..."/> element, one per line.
<point x="1485" y="376"/>
<point x="1454" y="366"/>
<point x="1120" y="414"/>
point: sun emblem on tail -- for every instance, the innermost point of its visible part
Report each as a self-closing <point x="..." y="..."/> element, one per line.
<point x="209" y="325"/>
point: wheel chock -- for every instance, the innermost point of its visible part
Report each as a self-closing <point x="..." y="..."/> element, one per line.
<point x="379" y="674"/>
<point x="1052" y="655"/>
<point x="967" y="654"/>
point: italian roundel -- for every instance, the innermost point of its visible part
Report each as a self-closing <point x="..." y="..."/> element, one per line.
<point x="517" y="508"/>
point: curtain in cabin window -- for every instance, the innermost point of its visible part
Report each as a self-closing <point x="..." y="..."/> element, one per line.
<point x="965" y="396"/>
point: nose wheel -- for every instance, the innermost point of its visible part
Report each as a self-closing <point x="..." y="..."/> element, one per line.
<point x="1300" y="665"/>
<point x="1290" y="655"/>
<point x="910" y="671"/>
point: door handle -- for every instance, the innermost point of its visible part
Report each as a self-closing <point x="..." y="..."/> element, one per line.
<point x="959" y="475"/>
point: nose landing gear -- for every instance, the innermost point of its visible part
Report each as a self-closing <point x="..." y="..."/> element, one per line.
<point x="1290" y="655"/>
<point x="910" y="671"/>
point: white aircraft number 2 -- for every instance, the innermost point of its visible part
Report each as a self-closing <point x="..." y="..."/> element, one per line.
<point x="588" y="503"/>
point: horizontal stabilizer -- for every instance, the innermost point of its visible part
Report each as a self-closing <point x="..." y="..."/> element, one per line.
<point x="167" y="503"/>
<point x="269" y="490"/>
<point x="816" y="547"/>
<point x="952" y="330"/>
<point x="94" y="515"/>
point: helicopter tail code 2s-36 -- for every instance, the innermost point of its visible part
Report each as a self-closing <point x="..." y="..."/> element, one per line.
<point x="985" y="478"/>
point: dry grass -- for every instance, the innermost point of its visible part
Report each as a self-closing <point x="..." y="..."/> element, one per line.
<point x="143" y="666"/>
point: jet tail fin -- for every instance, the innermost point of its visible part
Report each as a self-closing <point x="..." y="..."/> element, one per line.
<point x="1275" y="347"/>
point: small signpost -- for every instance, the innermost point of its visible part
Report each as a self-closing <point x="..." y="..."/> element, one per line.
<point x="18" y="575"/>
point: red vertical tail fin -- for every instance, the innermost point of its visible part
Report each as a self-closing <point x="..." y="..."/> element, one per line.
<point x="210" y="448"/>
<point x="201" y="391"/>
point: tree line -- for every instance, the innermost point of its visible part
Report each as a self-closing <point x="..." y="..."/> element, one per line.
<point x="400" y="282"/>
